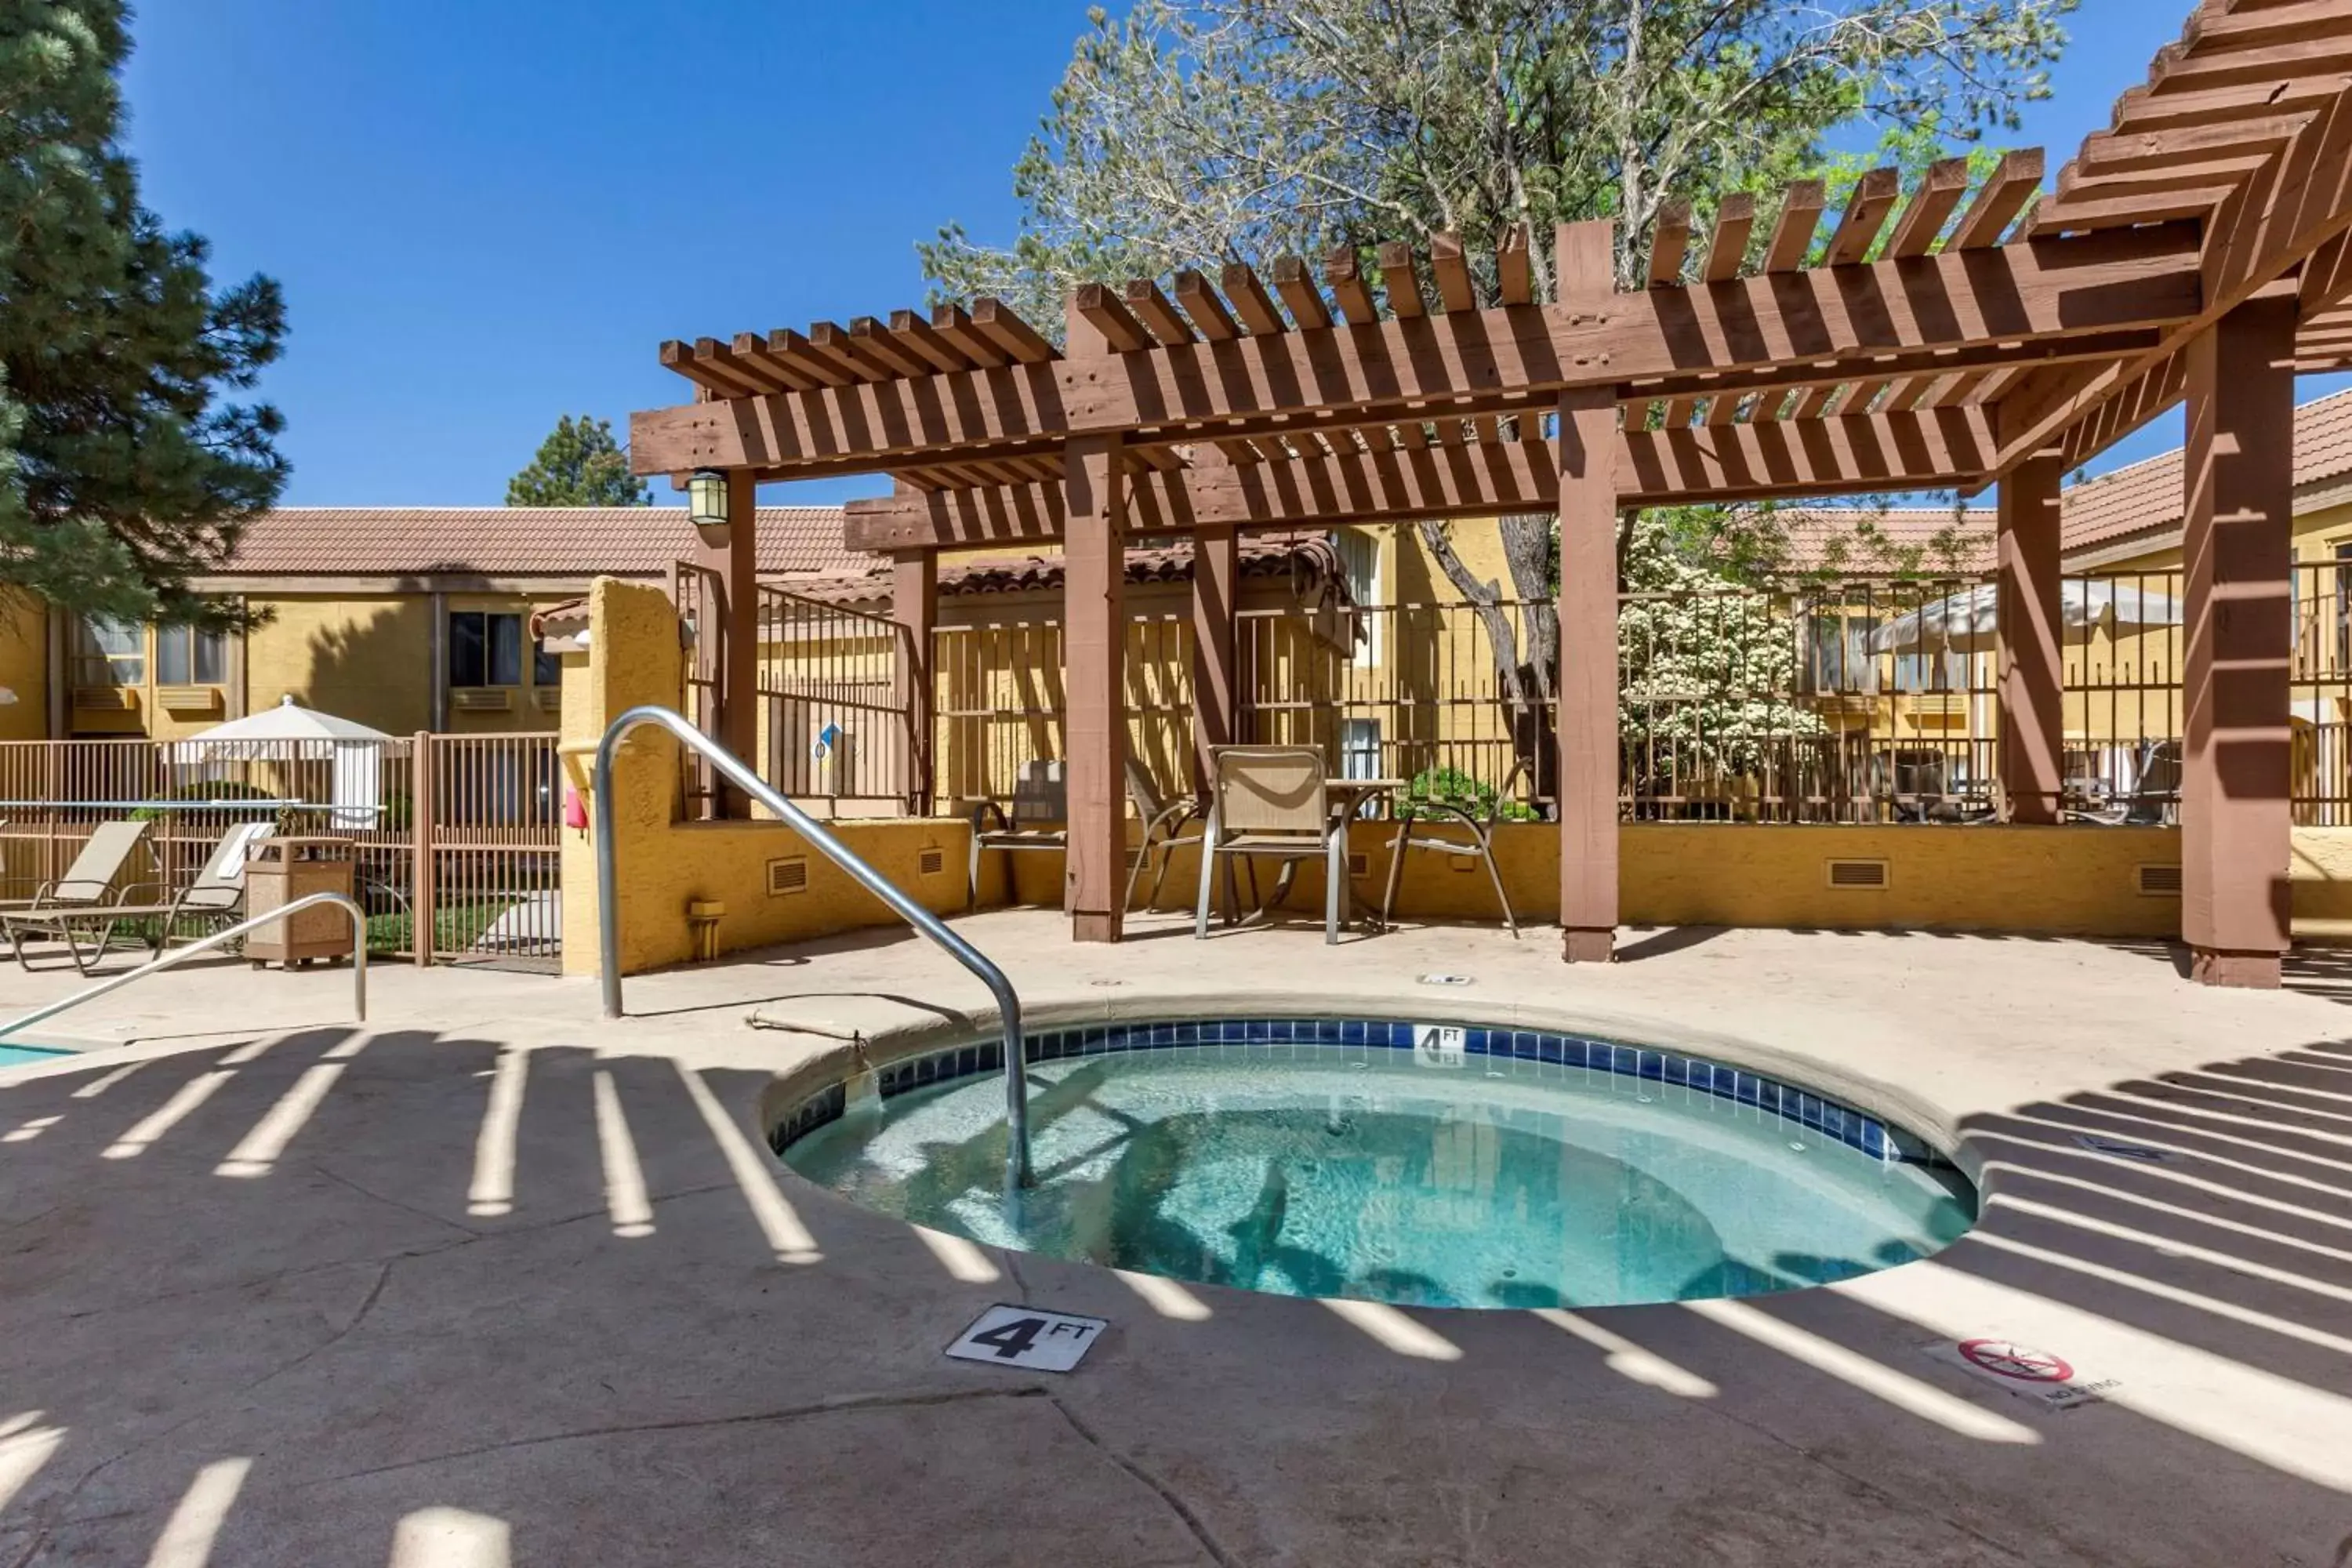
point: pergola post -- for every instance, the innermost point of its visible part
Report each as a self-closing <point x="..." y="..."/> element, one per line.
<point x="2028" y="624"/>
<point x="2237" y="775"/>
<point x="734" y="613"/>
<point x="1587" y="450"/>
<point x="1216" y="587"/>
<point x="1094" y="644"/>
<point x="914" y="604"/>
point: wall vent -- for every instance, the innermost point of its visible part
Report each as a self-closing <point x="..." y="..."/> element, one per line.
<point x="1359" y="865"/>
<point x="789" y="875"/>
<point x="1859" y="874"/>
<point x="931" y="862"/>
<point x="2158" y="881"/>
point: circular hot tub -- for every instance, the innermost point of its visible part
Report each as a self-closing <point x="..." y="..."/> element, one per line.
<point x="1419" y="1164"/>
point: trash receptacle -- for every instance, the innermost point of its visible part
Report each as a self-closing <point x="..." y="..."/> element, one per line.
<point x="285" y="869"/>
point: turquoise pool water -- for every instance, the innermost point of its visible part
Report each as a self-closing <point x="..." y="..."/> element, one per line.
<point x="17" y="1056"/>
<point x="1327" y="1170"/>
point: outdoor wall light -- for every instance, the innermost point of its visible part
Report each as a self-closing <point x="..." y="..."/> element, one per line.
<point x="706" y="505"/>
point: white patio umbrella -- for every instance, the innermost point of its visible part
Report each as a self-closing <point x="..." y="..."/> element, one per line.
<point x="1966" y="623"/>
<point x="291" y="732"/>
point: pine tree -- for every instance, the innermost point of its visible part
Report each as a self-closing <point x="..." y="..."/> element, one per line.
<point x="122" y="472"/>
<point x="579" y="465"/>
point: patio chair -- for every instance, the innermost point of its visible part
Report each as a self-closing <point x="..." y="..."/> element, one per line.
<point x="1429" y="815"/>
<point x="217" y="894"/>
<point x="1040" y="810"/>
<point x="1275" y="802"/>
<point x="89" y="881"/>
<point x="1163" y="829"/>
<point x="2155" y="794"/>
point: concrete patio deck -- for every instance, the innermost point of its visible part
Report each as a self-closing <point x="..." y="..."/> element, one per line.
<point x="493" y="1281"/>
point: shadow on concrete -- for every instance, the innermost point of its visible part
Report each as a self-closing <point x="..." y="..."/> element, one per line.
<point x="1673" y="939"/>
<point x="327" y="1296"/>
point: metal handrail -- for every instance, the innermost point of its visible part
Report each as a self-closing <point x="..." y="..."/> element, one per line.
<point x="608" y="915"/>
<point x="181" y="954"/>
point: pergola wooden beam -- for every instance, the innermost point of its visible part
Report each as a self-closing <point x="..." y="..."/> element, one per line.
<point x="1863" y="455"/>
<point x="2041" y="289"/>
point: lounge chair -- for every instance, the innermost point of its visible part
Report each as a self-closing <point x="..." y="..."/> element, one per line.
<point x="90" y="879"/>
<point x="1276" y="802"/>
<point x="2154" y="796"/>
<point x="217" y="894"/>
<point x="1428" y="815"/>
<point x="1041" y="811"/>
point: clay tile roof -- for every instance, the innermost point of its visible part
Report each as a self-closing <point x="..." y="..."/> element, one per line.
<point x="518" y="542"/>
<point x="2150" y="497"/>
<point x="1866" y="542"/>
<point x="1311" y="558"/>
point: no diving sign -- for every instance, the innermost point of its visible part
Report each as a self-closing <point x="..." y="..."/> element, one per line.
<point x="1027" y="1337"/>
<point x="2048" y="1380"/>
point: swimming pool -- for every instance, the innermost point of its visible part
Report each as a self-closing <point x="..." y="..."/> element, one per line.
<point x="17" y="1056"/>
<point x="1424" y="1165"/>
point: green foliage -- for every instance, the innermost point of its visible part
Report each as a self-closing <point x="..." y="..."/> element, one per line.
<point x="121" y="471"/>
<point x="1708" y="665"/>
<point x="579" y="465"/>
<point x="1201" y="131"/>
<point x="1451" y="786"/>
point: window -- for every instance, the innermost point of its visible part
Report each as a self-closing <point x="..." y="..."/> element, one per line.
<point x="1360" y="555"/>
<point x="1360" y="749"/>
<point x="485" y="649"/>
<point x="1839" y="661"/>
<point x="546" y="668"/>
<point x="110" y="653"/>
<point x="186" y="657"/>
<point x="1943" y="673"/>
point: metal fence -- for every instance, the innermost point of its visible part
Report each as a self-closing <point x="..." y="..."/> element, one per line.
<point x="999" y="702"/>
<point x="455" y="839"/>
<point x="835" y="718"/>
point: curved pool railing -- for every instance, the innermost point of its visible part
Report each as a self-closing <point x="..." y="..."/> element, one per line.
<point x="206" y="944"/>
<point x="731" y="768"/>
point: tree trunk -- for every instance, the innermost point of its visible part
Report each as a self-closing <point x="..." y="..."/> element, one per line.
<point x="1527" y="683"/>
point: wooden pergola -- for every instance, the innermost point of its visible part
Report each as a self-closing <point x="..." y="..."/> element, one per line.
<point x="1951" y="338"/>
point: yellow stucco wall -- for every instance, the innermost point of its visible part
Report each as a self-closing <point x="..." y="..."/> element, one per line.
<point x="24" y="667"/>
<point x="664" y="864"/>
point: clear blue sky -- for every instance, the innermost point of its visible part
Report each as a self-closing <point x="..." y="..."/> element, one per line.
<point x="485" y="215"/>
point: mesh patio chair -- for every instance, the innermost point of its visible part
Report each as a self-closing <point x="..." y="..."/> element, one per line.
<point x="1164" y="822"/>
<point x="1429" y="815"/>
<point x="1041" y="809"/>
<point x="90" y="879"/>
<point x="215" y="895"/>
<point x="1274" y="802"/>
<point x="2155" y="794"/>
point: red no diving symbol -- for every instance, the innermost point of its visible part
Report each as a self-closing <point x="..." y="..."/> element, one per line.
<point x="2003" y="1359"/>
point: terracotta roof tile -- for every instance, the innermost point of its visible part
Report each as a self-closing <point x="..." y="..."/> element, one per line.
<point x="518" y="542"/>
<point x="1865" y="540"/>
<point x="1312" y="556"/>
<point x="2150" y="497"/>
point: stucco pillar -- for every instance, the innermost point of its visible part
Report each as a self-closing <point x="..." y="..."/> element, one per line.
<point x="2237" y="772"/>
<point x="1094" y="644"/>
<point x="914" y="603"/>
<point x="1588" y="623"/>
<point x="2029" y="625"/>
<point x="1217" y="589"/>
<point x="734" y="617"/>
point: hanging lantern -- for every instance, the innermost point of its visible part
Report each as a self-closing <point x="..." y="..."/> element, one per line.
<point x="706" y="505"/>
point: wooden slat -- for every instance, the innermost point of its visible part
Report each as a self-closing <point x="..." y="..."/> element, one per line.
<point x="1678" y="412"/>
<point x="1147" y="304"/>
<point x="877" y="342"/>
<point x="678" y="356"/>
<point x="1514" y="278"/>
<point x="1792" y="231"/>
<point x="1001" y="325"/>
<point x="1453" y="273"/>
<point x="833" y="342"/>
<point x="1103" y="312"/>
<point x="1726" y="250"/>
<point x="1344" y="279"/>
<point x="1398" y="280"/>
<point x="1873" y="203"/>
<point x="751" y="350"/>
<point x="1200" y="302"/>
<point x="795" y="350"/>
<point x="2005" y="192"/>
<point x="955" y="327"/>
<point x="1299" y="294"/>
<point x="1669" y="244"/>
<point x="1252" y="303"/>
<point x="1930" y="208"/>
<point x="919" y="338"/>
<point x="718" y="361"/>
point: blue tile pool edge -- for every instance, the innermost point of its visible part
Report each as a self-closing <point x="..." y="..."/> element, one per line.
<point x="1799" y="1107"/>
